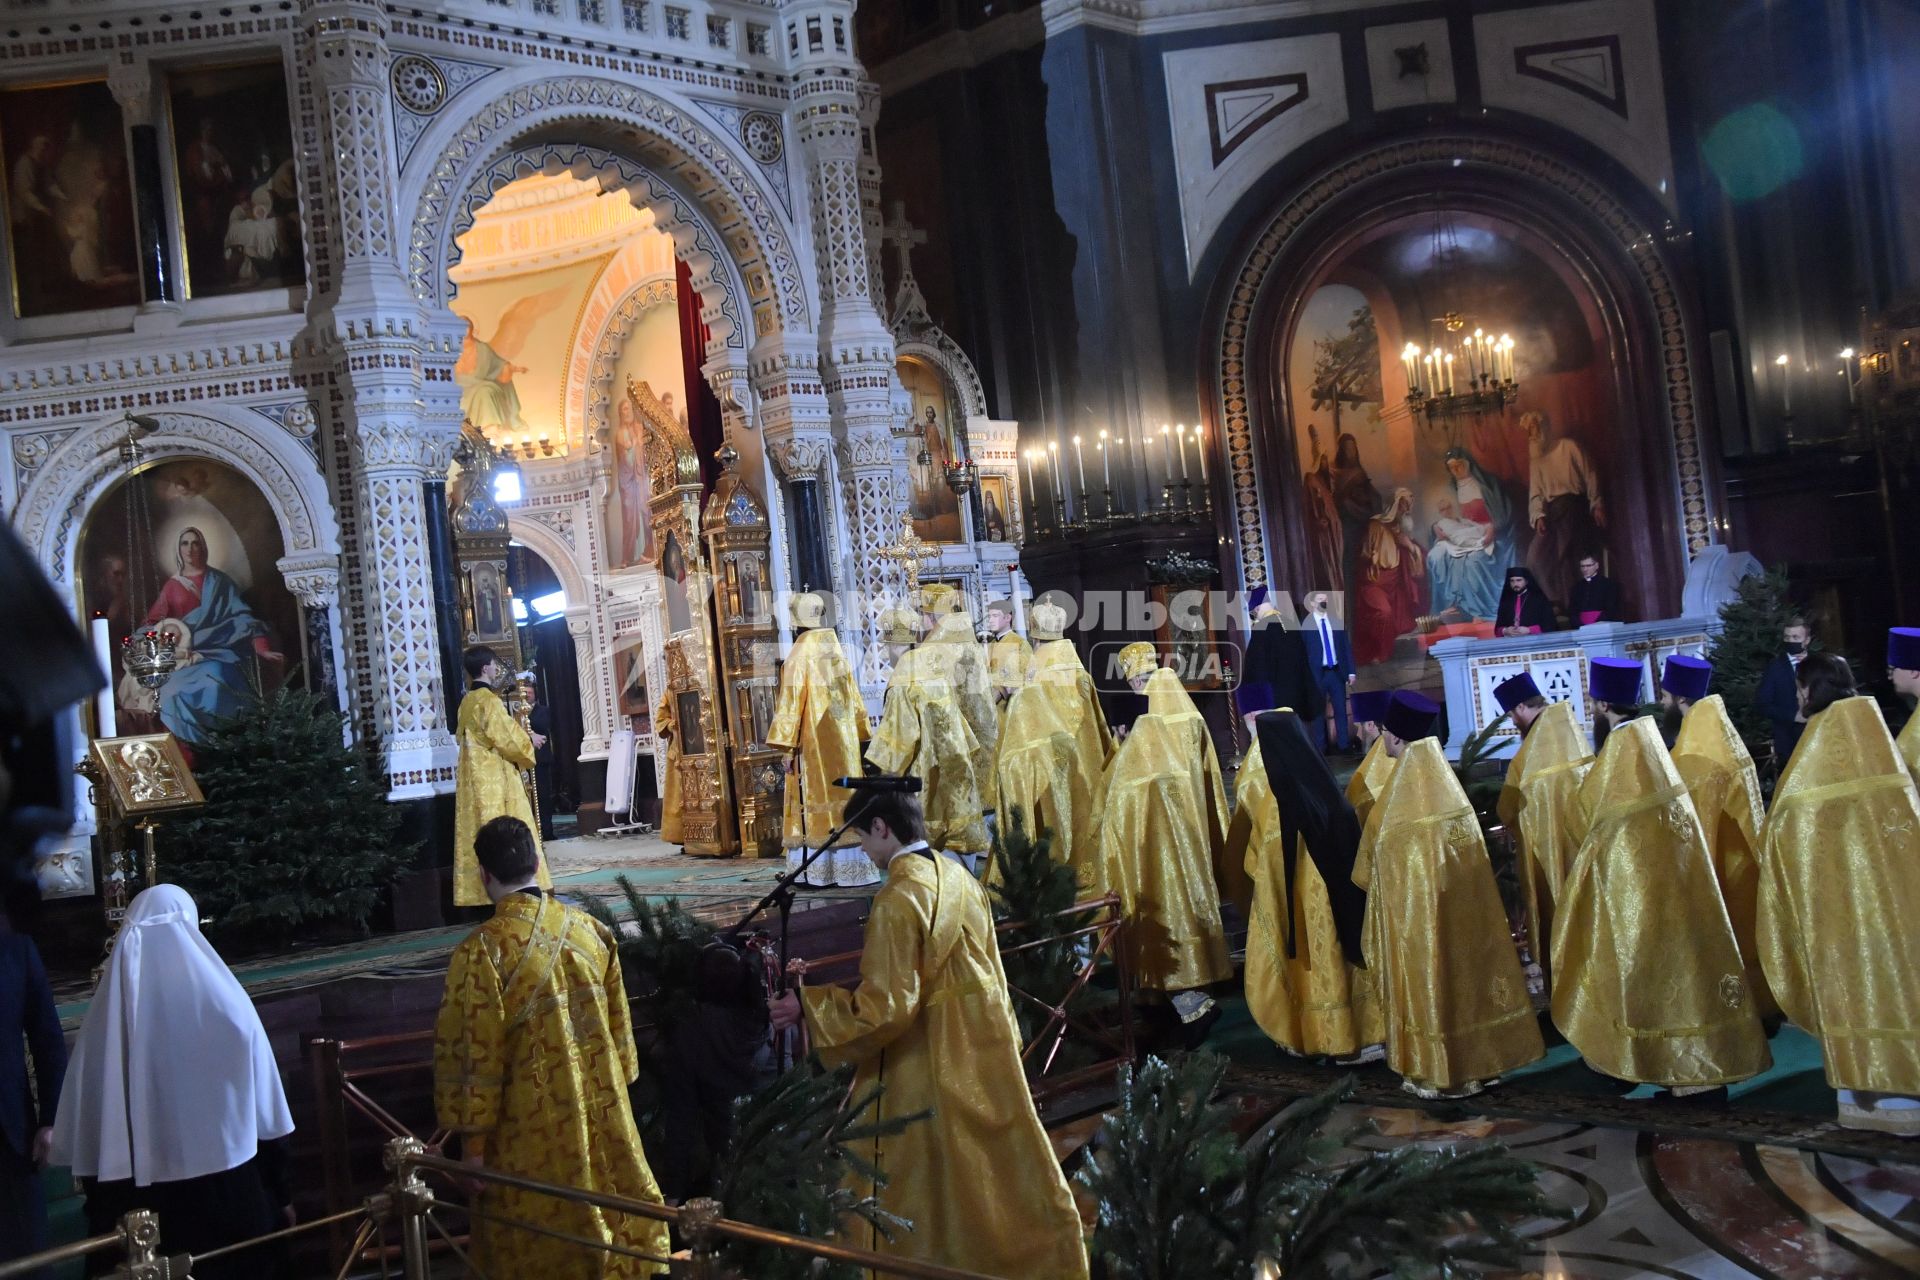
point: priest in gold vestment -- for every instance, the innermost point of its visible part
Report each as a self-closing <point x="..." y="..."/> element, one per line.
<point x="1055" y="750"/>
<point x="1648" y="982"/>
<point x="1162" y="831"/>
<point x="923" y="733"/>
<point x="1364" y="787"/>
<point x="1724" y="786"/>
<point x="821" y="718"/>
<point x="1536" y="802"/>
<point x="487" y="783"/>
<point x="1839" y="895"/>
<point x="1009" y="656"/>
<point x="1306" y="985"/>
<point x="952" y="647"/>
<point x="533" y="1052"/>
<point x="931" y="1023"/>
<point x="1437" y="944"/>
<point x="1903" y="669"/>
<point x="666" y="728"/>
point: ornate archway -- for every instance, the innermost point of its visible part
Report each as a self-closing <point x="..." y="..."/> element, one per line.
<point x="738" y="229"/>
<point x="1265" y="289"/>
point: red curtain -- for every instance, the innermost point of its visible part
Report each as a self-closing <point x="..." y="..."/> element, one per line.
<point x="703" y="409"/>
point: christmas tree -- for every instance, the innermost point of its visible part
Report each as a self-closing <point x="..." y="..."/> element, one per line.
<point x="1749" y="640"/>
<point x="1182" y="1197"/>
<point x="296" y="831"/>
<point x="795" y="1145"/>
<point x="1034" y="892"/>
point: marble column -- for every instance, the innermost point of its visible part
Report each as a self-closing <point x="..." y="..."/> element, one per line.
<point x="446" y="590"/>
<point x="132" y="87"/>
<point x="802" y="462"/>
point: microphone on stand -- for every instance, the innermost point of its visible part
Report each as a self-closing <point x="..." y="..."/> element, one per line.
<point x="879" y="783"/>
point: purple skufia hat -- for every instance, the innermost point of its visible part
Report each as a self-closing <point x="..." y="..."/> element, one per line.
<point x="1903" y="648"/>
<point x="1410" y="716"/>
<point x="1370" y="705"/>
<point x="1686" y="676"/>
<point x="1510" y="693"/>
<point x="1615" y="681"/>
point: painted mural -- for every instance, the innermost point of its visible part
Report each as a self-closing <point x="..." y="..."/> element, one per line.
<point x="233" y="163"/>
<point x="513" y="361"/>
<point x="1417" y="521"/>
<point x="204" y="570"/>
<point x="651" y="355"/>
<point x="69" y="201"/>
<point x="933" y="507"/>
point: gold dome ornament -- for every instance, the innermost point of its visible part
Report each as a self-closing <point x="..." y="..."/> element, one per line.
<point x="900" y="626"/>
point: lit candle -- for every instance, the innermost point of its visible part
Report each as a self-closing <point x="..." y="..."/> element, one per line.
<point x="1200" y="451"/>
<point x="1033" y="494"/>
<point x="1106" y="463"/>
<point x="1408" y="354"/>
<point x="100" y="631"/>
<point x="1846" y="371"/>
<point x="1059" y="490"/>
<point x="1166" y="453"/>
<point x="1181" y="437"/>
<point x="1080" y="464"/>
<point x="1786" y="385"/>
<point x="1449" y="373"/>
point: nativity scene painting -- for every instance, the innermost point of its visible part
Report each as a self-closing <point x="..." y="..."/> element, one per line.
<point x="1418" y="516"/>
<point x="203" y="571"/>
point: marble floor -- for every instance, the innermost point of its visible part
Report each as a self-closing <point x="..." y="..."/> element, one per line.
<point x="1653" y="1205"/>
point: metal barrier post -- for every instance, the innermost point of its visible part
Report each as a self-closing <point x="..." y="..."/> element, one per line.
<point x="141" y="1231"/>
<point x="412" y="1198"/>
<point x="697" y="1219"/>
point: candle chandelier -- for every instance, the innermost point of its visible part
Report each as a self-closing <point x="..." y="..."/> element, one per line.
<point x="1457" y="372"/>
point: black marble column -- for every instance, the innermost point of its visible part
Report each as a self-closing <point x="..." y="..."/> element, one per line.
<point x="446" y="592"/>
<point x="814" y="571"/>
<point x="322" y="679"/>
<point x="157" y="279"/>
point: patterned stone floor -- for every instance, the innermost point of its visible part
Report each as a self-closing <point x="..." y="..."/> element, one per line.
<point x="1648" y="1204"/>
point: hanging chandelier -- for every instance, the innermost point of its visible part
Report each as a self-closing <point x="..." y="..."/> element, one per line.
<point x="1457" y="373"/>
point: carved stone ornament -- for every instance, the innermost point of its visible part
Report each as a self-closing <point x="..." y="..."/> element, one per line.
<point x="418" y="85"/>
<point x="800" y="457"/>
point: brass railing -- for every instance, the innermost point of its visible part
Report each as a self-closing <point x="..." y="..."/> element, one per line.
<point x="409" y="1204"/>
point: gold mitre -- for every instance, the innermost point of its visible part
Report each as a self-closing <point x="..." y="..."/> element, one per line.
<point x="808" y="609"/>
<point x="1047" y="622"/>
<point x="939" y="599"/>
<point x="1139" y="659"/>
<point x="900" y="626"/>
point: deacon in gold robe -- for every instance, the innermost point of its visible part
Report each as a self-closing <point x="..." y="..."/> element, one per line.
<point x="487" y="783"/>
<point x="1719" y="774"/>
<point x="1055" y="750"/>
<point x="923" y="733"/>
<point x="1536" y="802"/>
<point x="1364" y="787"/>
<point x="931" y="1023"/>
<point x="1305" y="981"/>
<point x="1162" y="831"/>
<point x="666" y="728"/>
<point x="1437" y="943"/>
<point x="1903" y="669"/>
<point x="952" y="647"/>
<point x="1648" y="982"/>
<point x="1009" y="656"/>
<point x="1839" y="894"/>
<point x="532" y="1056"/>
<point x="821" y="718"/>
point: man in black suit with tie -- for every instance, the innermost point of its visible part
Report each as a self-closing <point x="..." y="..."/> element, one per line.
<point x="1778" y="696"/>
<point x="1330" y="657"/>
<point x="28" y="1026"/>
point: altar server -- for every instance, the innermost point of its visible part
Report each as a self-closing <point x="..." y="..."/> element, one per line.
<point x="1903" y="669"/>
<point x="1537" y="800"/>
<point x="1648" y="982"/>
<point x="1162" y="831"/>
<point x="1008" y="656"/>
<point x="1718" y="770"/>
<point x="1452" y="993"/>
<point x="954" y="649"/>
<point x="820" y="717"/>
<point x="494" y="749"/>
<point x="1055" y="749"/>
<point x="1363" y="788"/>
<point x="932" y="1024"/>
<point x="1839" y="894"/>
<point x="1306" y="986"/>
<point x="533" y="1052"/>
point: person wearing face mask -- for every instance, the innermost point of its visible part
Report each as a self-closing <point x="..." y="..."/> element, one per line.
<point x="1778" y="697"/>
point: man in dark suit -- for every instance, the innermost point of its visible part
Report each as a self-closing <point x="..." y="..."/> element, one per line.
<point x="1594" y="598"/>
<point x="1778" y="697"/>
<point x="28" y="1026"/>
<point x="1330" y="657"/>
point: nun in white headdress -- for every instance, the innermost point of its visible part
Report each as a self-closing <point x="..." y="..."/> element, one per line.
<point x="172" y="1101"/>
